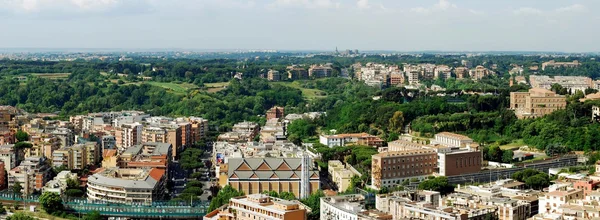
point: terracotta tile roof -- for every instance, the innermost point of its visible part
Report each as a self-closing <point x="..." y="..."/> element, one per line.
<point x="157" y="174"/>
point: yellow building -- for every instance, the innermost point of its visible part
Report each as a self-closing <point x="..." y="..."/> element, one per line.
<point x="536" y="103"/>
<point x="340" y="174"/>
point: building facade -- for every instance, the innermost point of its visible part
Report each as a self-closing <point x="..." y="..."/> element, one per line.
<point x="128" y="186"/>
<point x="536" y="103"/>
<point x="257" y="175"/>
<point x="390" y="169"/>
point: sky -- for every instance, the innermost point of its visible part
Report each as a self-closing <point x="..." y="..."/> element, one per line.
<point x="399" y="25"/>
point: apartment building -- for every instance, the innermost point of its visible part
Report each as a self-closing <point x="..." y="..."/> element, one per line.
<point x="571" y="83"/>
<point x="7" y="137"/>
<point x="552" y="201"/>
<point x="341" y="174"/>
<point x="275" y="112"/>
<point x="146" y="155"/>
<point x="33" y="173"/>
<point x="320" y="71"/>
<point x="536" y="103"/>
<point x="128" y="135"/>
<point x="241" y="132"/>
<point x="10" y="156"/>
<point x="412" y="73"/>
<point x="554" y="64"/>
<point x="461" y="72"/>
<point x="257" y="175"/>
<point x="442" y="72"/>
<point x="199" y="128"/>
<point x="350" y="139"/>
<point x="65" y="136"/>
<point x="78" y="156"/>
<point x="389" y="169"/>
<point x="396" y="78"/>
<point x="479" y="72"/>
<point x="273" y="75"/>
<point x="257" y="206"/>
<point x="343" y="207"/>
<point x="295" y="72"/>
<point x="128" y="186"/>
<point x="59" y="184"/>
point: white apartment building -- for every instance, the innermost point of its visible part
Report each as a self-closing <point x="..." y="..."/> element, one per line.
<point x="551" y="202"/>
<point x="452" y="139"/>
<point x="128" y="135"/>
<point x="129" y="186"/>
<point x="344" y="207"/>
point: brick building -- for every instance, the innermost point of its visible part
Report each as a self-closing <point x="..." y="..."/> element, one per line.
<point x="389" y="169"/>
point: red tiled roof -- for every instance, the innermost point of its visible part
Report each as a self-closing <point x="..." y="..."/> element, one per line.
<point x="157" y="174"/>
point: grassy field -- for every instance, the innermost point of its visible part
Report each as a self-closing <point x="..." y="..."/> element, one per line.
<point x="52" y="75"/>
<point x="515" y="145"/>
<point x="174" y="87"/>
<point x="215" y="87"/>
<point x="307" y="93"/>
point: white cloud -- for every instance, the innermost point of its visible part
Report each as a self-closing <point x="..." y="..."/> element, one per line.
<point x="476" y="12"/>
<point x="572" y="8"/>
<point x="304" y="3"/>
<point x="363" y="4"/>
<point x="527" y="11"/>
<point x="442" y="5"/>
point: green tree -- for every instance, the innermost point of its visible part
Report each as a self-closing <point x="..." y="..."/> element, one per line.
<point x="314" y="202"/>
<point x="439" y="184"/>
<point x="495" y="153"/>
<point x="21" y="136"/>
<point x="555" y="149"/>
<point x="20" y="216"/>
<point x="507" y="156"/>
<point x="94" y="215"/>
<point x="17" y="189"/>
<point x="287" y="196"/>
<point x="538" y="181"/>
<point x="2" y="209"/>
<point x="22" y="145"/>
<point x="223" y="197"/>
<point x="396" y="122"/>
<point x="51" y="202"/>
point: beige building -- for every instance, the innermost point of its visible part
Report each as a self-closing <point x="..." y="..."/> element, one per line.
<point x="536" y="103"/>
<point x="77" y="157"/>
<point x="33" y="173"/>
<point x="341" y="174"/>
<point x="257" y="206"/>
<point x="554" y="64"/>
<point x="273" y="75"/>
<point x="552" y="201"/>
<point x="320" y="71"/>
<point x="479" y="72"/>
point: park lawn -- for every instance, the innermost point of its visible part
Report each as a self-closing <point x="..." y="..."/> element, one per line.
<point x="52" y="75"/>
<point x="216" y="87"/>
<point x="174" y="87"/>
<point x="309" y="94"/>
<point x="515" y="145"/>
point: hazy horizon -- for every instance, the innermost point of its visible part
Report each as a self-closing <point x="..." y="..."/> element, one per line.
<point x="303" y="25"/>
